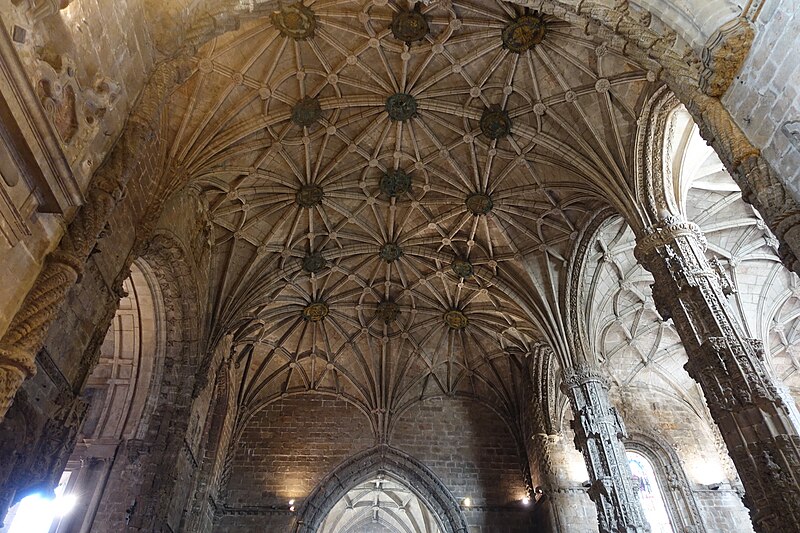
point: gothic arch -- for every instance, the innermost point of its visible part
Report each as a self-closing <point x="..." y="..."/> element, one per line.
<point x="573" y="290"/>
<point x="381" y="459"/>
<point x="170" y="395"/>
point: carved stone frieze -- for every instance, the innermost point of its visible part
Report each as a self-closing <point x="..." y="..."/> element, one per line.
<point x="752" y="417"/>
<point x="599" y="431"/>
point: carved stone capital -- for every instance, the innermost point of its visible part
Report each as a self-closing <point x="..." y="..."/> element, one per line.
<point x="724" y="54"/>
<point x="665" y="233"/>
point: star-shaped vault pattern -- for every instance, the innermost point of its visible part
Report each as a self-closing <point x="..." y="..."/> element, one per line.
<point x="395" y="191"/>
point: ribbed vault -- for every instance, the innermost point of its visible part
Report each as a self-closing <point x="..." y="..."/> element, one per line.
<point x="625" y="333"/>
<point x="395" y="190"/>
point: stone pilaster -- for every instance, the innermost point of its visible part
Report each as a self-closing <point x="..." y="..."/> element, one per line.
<point x="751" y="415"/>
<point x="598" y="435"/>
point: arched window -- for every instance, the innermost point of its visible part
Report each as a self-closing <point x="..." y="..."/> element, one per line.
<point x="646" y="483"/>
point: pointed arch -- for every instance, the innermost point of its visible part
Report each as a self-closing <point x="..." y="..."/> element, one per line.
<point x="382" y="459"/>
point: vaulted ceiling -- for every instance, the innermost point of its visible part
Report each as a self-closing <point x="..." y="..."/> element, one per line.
<point x="395" y="190"/>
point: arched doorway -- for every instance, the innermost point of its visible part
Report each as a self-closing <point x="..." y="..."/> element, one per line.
<point x="402" y="491"/>
<point x="380" y="504"/>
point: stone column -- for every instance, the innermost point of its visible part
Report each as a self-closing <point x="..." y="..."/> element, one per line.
<point x="598" y="435"/>
<point x="752" y="416"/>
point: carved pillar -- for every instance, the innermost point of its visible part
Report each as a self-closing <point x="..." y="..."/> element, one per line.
<point x="598" y="433"/>
<point x="751" y="415"/>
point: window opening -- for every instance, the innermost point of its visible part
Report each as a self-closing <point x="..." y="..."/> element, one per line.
<point x="646" y="484"/>
<point x="39" y="514"/>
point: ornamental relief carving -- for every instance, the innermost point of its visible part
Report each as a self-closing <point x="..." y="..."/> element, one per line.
<point x="75" y="111"/>
<point x="724" y="54"/>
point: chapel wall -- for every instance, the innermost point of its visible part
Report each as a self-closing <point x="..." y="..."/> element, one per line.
<point x="285" y="450"/>
<point x="292" y="444"/>
<point x="472" y="451"/>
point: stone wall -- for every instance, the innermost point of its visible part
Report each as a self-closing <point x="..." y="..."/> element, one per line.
<point x="283" y="453"/>
<point x="764" y="99"/>
<point x="287" y="448"/>
<point x="475" y="455"/>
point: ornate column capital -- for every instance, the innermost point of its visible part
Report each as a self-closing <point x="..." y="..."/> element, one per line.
<point x="665" y="233"/>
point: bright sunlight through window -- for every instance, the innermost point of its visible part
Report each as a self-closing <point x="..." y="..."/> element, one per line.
<point x="37" y="514"/>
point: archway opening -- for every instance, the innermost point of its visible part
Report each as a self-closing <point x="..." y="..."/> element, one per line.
<point x="119" y="397"/>
<point x="381" y="504"/>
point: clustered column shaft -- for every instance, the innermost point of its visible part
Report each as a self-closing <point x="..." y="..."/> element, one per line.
<point x="598" y="433"/>
<point x="753" y="418"/>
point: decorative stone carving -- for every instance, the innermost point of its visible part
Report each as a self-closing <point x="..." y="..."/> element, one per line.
<point x="295" y="21"/>
<point x="388" y="311"/>
<point x="456" y="319"/>
<point x="41" y="9"/>
<point x="479" y="203"/>
<point x="401" y="107"/>
<point x="309" y="196"/>
<point x="306" y="112"/>
<point x="462" y="268"/>
<point x="313" y="263"/>
<point x="62" y="268"/>
<point x="598" y="435"/>
<point x="395" y="183"/>
<point x="410" y="25"/>
<point x="391" y="252"/>
<point x="523" y="33"/>
<point x="59" y="102"/>
<point x="724" y="54"/>
<point x="495" y="122"/>
<point x="752" y="417"/>
<point x="314" y="312"/>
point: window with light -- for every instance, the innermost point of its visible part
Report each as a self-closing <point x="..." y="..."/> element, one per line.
<point x="646" y="485"/>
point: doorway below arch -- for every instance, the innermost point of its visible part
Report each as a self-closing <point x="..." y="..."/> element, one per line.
<point x="381" y="504"/>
